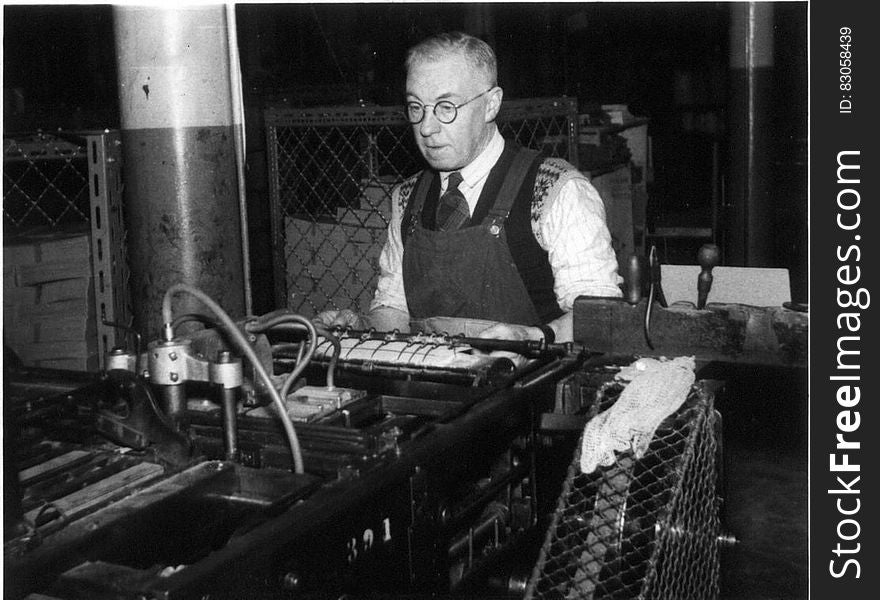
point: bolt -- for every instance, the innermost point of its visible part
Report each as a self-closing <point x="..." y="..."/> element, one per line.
<point x="172" y="355"/>
<point x="173" y="377"/>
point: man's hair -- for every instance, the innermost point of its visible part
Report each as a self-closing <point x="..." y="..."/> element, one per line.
<point x="474" y="50"/>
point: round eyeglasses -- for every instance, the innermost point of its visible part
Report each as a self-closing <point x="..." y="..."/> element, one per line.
<point x="445" y="111"/>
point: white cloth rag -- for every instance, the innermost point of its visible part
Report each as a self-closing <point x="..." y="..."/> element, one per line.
<point x="656" y="389"/>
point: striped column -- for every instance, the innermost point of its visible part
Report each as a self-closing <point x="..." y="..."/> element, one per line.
<point x="181" y="196"/>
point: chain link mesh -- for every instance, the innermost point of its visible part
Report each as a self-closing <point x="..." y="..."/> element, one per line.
<point x="641" y="528"/>
<point x="45" y="182"/>
<point x="331" y="174"/>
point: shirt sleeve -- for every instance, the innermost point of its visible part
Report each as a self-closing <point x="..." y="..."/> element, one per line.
<point x="573" y="230"/>
<point x="389" y="287"/>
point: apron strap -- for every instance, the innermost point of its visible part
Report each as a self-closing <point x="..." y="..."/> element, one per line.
<point x="511" y="187"/>
<point x="413" y="212"/>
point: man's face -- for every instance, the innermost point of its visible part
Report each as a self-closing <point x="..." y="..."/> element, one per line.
<point x="451" y="146"/>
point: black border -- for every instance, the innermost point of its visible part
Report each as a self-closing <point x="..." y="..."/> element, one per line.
<point x="832" y="132"/>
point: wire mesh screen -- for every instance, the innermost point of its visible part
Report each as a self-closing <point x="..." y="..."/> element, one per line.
<point x="643" y="528"/>
<point x="332" y="170"/>
<point x="45" y="182"/>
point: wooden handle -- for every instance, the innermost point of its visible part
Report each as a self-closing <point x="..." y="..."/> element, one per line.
<point x="708" y="257"/>
<point x="634" y="278"/>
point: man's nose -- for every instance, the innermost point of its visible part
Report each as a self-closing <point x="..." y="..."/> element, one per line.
<point x="429" y="124"/>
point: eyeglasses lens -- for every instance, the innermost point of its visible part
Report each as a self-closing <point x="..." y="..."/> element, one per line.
<point x="445" y="111"/>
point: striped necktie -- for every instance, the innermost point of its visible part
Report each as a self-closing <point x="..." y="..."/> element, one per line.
<point x="452" y="210"/>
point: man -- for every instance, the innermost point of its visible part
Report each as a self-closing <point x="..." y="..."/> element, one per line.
<point x="534" y="235"/>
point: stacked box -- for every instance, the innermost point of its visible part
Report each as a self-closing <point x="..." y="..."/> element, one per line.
<point x="49" y="317"/>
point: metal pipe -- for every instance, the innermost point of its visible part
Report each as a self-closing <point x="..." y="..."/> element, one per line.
<point x="477" y="535"/>
<point x="237" y="97"/>
<point x="229" y="403"/>
<point x="749" y="238"/>
<point x="178" y="129"/>
<point x="174" y="405"/>
<point x="229" y="407"/>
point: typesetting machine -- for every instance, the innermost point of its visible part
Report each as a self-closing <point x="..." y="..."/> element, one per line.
<point x="270" y="458"/>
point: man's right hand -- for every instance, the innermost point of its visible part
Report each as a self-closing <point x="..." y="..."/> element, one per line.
<point x="339" y="318"/>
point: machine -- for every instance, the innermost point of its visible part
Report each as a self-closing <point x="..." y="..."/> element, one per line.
<point x="266" y="457"/>
<point x="271" y="458"/>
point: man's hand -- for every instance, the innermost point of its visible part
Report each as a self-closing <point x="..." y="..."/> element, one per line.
<point x="339" y="318"/>
<point x="383" y="318"/>
<point x="506" y="331"/>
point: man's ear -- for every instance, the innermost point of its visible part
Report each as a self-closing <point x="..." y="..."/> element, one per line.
<point x="494" y="103"/>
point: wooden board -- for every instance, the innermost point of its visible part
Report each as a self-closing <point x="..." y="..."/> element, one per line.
<point x="722" y="332"/>
<point x="730" y="285"/>
<point x="90" y="497"/>
<point x="51" y="466"/>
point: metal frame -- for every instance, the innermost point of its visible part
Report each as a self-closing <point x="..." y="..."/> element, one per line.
<point x="109" y="260"/>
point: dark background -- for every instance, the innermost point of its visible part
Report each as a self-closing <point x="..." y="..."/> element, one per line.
<point x="669" y="62"/>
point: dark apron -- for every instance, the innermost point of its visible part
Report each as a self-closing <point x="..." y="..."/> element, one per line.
<point x="468" y="273"/>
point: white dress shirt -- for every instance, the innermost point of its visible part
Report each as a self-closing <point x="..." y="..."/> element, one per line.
<point x="570" y="226"/>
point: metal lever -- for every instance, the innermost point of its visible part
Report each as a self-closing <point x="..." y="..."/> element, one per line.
<point x="655" y="293"/>
<point x="709" y="256"/>
<point x="656" y="284"/>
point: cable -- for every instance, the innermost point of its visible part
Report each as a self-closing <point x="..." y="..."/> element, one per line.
<point x="249" y="352"/>
<point x="302" y="358"/>
<point x="337" y="350"/>
<point x="313" y="343"/>
<point x="204" y="319"/>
